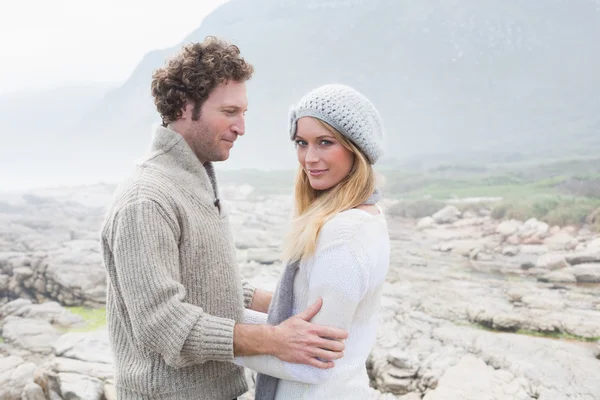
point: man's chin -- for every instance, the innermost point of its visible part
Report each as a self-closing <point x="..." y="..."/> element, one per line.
<point x="222" y="157"/>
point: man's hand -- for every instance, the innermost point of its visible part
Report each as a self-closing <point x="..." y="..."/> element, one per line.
<point x="261" y="301"/>
<point x="298" y="341"/>
<point x="295" y="340"/>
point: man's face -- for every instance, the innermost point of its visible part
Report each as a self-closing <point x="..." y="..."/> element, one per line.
<point x="221" y="121"/>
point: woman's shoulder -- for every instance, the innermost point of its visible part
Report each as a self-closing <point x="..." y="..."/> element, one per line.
<point x="351" y="223"/>
<point x="357" y="237"/>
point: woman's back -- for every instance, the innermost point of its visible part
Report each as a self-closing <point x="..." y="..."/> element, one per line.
<point x="338" y="135"/>
<point x="348" y="271"/>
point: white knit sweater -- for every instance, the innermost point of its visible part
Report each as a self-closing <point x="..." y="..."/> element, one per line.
<point x="348" y="271"/>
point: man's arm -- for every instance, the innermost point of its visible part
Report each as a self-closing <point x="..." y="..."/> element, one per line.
<point x="339" y="298"/>
<point x="294" y="340"/>
<point x="143" y="243"/>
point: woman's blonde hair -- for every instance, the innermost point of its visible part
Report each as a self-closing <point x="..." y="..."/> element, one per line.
<point x="313" y="207"/>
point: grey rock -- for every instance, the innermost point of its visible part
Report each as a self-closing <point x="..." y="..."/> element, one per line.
<point x="93" y="347"/>
<point x="15" y="375"/>
<point x="587" y="273"/>
<point x="587" y="256"/>
<point x="446" y="215"/>
<point x="32" y="391"/>
<point x="33" y="335"/>
<point x="264" y="256"/>
<point x="80" y="387"/>
<point x="552" y="261"/>
<point x="566" y="276"/>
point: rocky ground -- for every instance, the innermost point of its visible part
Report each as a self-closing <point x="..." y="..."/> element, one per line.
<point x="473" y="308"/>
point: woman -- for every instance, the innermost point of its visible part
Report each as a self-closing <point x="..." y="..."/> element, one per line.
<point x="338" y="247"/>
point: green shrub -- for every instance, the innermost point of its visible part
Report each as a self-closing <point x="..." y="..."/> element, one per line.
<point x="500" y="210"/>
<point x="554" y="210"/>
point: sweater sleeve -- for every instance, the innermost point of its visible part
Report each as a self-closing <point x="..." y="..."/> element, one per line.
<point x="340" y="300"/>
<point x="254" y="317"/>
<point x="144" y="246"/>
<point x="248" y="290"/>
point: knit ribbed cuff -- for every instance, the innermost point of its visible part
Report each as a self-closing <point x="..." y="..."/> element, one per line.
<point x="248" y="290"/>
<point x="211" y="339"/>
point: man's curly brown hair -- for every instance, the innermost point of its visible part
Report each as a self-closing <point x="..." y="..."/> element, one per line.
<point x="194" y="73"/>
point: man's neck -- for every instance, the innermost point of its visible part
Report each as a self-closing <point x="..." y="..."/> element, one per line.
<point x="177" y="128"/>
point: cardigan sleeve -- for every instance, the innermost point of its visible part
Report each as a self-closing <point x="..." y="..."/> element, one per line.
<point x="340" y="300"/>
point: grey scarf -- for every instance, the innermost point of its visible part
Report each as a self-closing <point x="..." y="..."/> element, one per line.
<point x="281" y="309"/>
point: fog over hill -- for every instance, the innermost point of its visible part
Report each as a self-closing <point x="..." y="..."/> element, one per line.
<point x="513" y="79"/>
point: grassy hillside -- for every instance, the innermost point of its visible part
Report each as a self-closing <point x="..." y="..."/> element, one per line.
<point x="558" y="191"/>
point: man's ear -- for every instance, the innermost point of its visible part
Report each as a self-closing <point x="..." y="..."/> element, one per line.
<point x="187" y="110"/>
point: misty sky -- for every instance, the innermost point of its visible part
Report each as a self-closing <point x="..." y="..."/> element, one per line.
<point x="46" y="44"/>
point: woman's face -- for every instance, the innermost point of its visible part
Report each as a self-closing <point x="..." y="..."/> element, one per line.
<point x="323" y="158"/>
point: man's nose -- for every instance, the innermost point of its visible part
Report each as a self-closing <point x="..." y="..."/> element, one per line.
<point x="240" y="126"/>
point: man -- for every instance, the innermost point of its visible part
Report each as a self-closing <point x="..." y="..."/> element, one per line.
<point x="175" y="295"/>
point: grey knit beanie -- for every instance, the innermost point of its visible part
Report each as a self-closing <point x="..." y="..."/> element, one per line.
<point x="346" y="110"/>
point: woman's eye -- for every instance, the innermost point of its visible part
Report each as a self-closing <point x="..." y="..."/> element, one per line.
<point x="326" y="142"/>
<point x="300" y="143"/>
